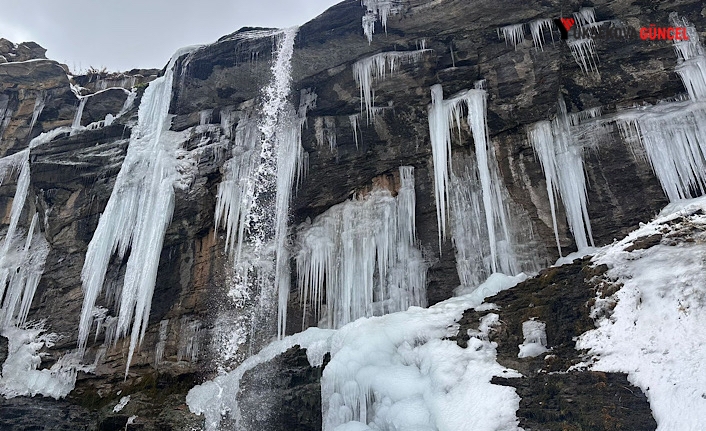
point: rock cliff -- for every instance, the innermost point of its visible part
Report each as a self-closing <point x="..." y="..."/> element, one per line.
<point x="72" y="177"/>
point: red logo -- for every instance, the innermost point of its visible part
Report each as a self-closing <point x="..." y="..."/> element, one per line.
<point x="567" y="23"/>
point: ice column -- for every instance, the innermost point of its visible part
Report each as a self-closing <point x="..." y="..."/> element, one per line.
<point x="561" y="157"/>
<point x="137" y="215"/>
<point x="363" y="254"/>
<point x="442" y="116"/>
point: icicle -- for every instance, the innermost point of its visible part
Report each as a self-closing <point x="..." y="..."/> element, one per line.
<point x="354" y="125"/>
<point x="562" y="160"/>
<point x="39" y="103"/>
<point x="585" y="16"/>
<point x="584" y="52"/>
<point x="537" y="28"/>
<point x="365" y="71"/>
<point x="378" y="10"/>
<point x="137" y="216"/>
<point x="161" y="342"/>
<point x="363" y="253"/>
<point x="514" y="34"/>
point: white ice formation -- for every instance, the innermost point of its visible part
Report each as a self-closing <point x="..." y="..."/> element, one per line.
<point x="537" y="29"/>
<point x="22" y="257"/>
<point x="513" y="34"/>
<point x="673" y="134"/>
<point x="377" y="67"/>
<point x="267" y="159"/>
<point x="535" y="339"/>
<point x="137" y="215"/>
<point x="362" y="256"/>
<point x="378" y="10"/>
<point x="561" y="155"/>
<point x="398" y="371"/>
<point x="474" y="192"/>
<point x="584" y="52"/>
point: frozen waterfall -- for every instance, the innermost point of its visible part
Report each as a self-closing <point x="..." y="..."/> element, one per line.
<point x="362" y="256"/>
<point x="137" y="215"/>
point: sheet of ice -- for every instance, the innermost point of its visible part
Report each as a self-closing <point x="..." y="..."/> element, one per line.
<point x="398" y="371"/>
<point x="535" y="339"/>
<point x="652" y="327"/>
<point x="377" y="67"/>
<point x="362" y="256"/>
<point x="137" y="214"/>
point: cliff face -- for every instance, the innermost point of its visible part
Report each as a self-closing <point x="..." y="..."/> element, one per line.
<point x="72" y="176"/>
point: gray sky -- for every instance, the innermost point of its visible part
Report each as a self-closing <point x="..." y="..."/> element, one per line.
<point x="127" y="34"/>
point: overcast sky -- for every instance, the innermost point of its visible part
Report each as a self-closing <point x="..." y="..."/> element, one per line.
<point x="127" y="34"/>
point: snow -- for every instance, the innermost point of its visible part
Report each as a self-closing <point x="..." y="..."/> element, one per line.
<point x="363" y="252"/>
<point x="121" y="404"/>
<point x="535" y="339"/>
<point x="137" y="214"/>
<point x="398" y="371"/>
<point x="561" y="156"/>
<point x="377" y="66"/>
<point x="652" y="328"/>
<point x="514" y="34"/>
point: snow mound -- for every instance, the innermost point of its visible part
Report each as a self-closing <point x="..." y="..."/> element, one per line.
<point x="652" y="328"/>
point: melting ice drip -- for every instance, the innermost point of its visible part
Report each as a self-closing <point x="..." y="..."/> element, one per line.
<point x="267" y="159"/>
<point x="378" y="10"/>
<point x="378" y="66"/>
<point x="673" y="135"/>
<point x="561" y="156"/>
<point x="137" y="215"/>
<point x="363" y="254"/>
<point x="442" y="116"/>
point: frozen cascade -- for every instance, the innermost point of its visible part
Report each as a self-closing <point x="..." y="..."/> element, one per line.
<point x="442" y="116"/>
<point x="22" y="258"/>
<point x="673" y="135"/>
<point x="363" y="252"/>
<point x="561" y="156"/>
<point x="39" y="103"/>
<point x="377" y="66"/>
<point x="585" y="16"/>
<point x="137" y="215"/>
